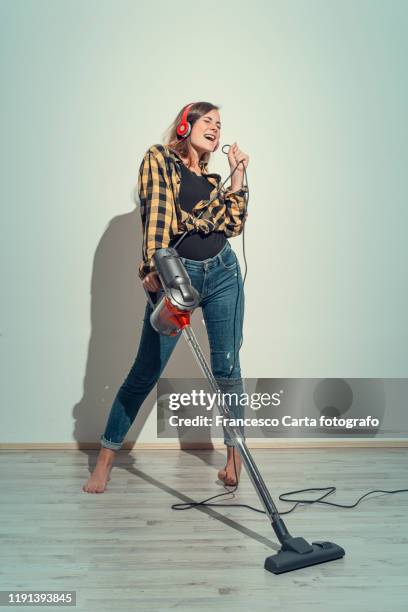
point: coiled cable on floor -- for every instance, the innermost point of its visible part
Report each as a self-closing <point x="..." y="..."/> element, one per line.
<point x="283" y="497"/>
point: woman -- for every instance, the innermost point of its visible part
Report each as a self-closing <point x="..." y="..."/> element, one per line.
<point x="174" y="187"/>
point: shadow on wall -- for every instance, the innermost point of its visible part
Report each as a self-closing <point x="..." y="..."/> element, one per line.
<point x="118" y="303"/>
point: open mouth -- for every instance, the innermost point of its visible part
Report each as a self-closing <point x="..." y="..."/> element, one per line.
<point x="210" y="137"/>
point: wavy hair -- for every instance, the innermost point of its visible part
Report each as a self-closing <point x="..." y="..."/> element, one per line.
<point x="183" y="146"/>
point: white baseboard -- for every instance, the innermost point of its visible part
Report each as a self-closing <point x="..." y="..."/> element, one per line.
<point x="283" y="443"/>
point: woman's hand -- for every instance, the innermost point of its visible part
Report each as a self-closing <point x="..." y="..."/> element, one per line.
<point x="151" y="282"/>
<point x="235" y="155"/>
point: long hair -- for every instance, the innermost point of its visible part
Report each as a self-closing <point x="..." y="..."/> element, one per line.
<point x="183" y="146"/>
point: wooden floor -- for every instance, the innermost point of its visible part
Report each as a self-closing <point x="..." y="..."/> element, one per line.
<point x="127" y="550"/>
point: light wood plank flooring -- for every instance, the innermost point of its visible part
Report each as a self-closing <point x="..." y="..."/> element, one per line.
<point x="127" y="550"/>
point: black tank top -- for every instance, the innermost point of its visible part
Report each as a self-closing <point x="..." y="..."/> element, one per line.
<point x="194" y="188"/>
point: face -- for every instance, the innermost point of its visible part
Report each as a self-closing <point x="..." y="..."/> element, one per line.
<point x="205" y="134"/>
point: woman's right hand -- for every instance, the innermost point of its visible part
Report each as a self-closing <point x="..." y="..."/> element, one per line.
<point x="151" y="282"/>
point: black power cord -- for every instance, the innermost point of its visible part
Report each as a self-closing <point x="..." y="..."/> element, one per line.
<point x="283" y="497"/>
<point x="243" y="252"/>
<point x="185" y="234"/>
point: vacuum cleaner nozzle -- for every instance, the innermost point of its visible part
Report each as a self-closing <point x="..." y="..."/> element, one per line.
<point x="297" y="553"/>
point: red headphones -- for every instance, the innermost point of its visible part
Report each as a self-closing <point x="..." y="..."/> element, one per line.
<point x="183" y="128"/>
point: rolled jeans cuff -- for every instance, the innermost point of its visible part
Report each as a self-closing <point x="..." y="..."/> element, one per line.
<point x="108" y="444"/>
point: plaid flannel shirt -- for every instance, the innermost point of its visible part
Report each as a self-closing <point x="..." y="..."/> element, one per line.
<point x="163" y="218"/>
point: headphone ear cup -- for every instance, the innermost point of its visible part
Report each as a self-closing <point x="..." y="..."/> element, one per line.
<point x="184" y="129"/>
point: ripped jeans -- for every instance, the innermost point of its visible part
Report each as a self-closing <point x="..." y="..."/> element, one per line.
<point x="219" y="283"/>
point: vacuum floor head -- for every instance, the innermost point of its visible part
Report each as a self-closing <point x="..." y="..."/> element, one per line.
<point x="312" y="554"/>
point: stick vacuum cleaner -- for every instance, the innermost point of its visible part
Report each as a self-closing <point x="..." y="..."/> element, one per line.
<point x="172" y="310"/>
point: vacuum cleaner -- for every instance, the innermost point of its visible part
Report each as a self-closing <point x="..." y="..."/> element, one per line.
<point x="172" y="310"/>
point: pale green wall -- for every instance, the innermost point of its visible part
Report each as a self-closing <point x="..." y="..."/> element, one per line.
<point x="315" y="92"/>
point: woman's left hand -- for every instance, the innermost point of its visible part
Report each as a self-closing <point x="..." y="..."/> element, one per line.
<point x="235" y="156"/>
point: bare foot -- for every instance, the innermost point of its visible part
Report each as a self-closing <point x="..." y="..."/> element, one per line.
<point x="101" y="474"/>
<point x="227" y="475"/>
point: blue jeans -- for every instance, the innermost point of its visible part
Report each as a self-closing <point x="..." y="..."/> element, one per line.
<point x="219" y="283"/>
